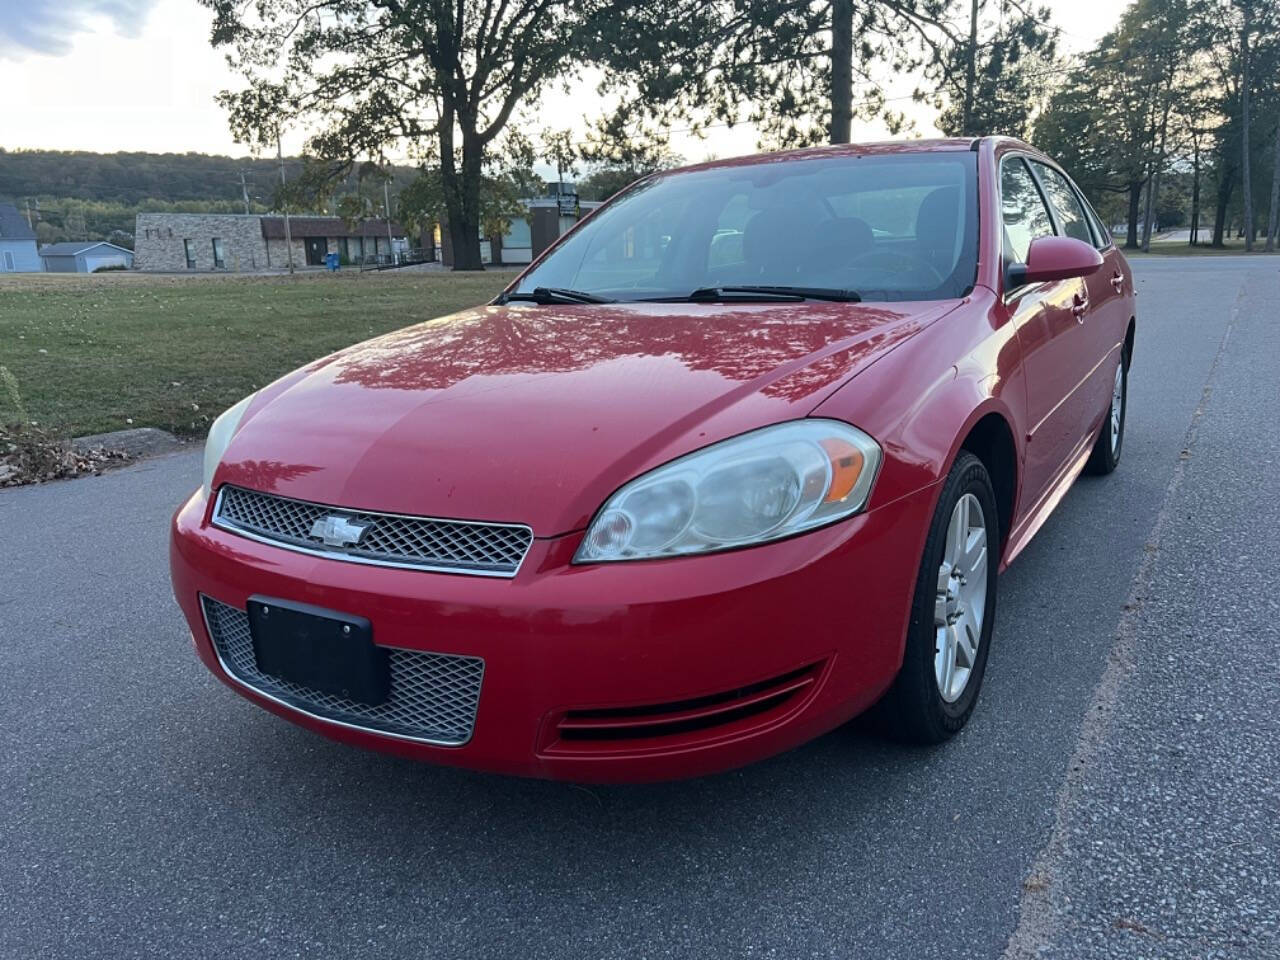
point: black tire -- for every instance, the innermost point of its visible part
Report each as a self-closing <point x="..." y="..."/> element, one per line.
<point x="1106" y="457"/>
<point x="914" y="709"/>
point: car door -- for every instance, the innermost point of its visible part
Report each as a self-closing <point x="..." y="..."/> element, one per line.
<point x="1100" y="316"/>
<point x="1053" y="343"/>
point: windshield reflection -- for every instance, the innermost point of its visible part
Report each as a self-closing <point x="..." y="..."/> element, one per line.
<point x="891" y="227"/>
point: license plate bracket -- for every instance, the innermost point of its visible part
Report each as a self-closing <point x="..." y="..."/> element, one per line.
<point x="321" y="649"/>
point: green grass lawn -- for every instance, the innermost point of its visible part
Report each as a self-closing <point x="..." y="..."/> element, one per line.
<point x="1184" y="250"/>
<point x="97" y="353"/>
<point x="1160" y="247"/>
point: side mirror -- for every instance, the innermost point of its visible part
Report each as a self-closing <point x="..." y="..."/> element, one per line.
<point x="1053" y="258"/>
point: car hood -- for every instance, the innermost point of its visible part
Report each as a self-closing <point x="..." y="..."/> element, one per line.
<point x="535" y="414"/>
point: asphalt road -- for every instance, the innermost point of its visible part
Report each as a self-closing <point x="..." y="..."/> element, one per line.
<point x="1115" y="795"/>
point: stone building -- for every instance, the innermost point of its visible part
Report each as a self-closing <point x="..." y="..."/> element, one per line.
<point x="178" y="242"/>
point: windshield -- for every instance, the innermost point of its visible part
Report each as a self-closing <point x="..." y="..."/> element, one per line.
<point x="896" y="227"/>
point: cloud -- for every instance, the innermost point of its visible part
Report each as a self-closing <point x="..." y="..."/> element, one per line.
<point x="47" y="26"/>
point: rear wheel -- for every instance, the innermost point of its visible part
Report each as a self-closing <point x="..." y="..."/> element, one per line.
<point x="952" y="613"/>
<point x="1106" y="449"/>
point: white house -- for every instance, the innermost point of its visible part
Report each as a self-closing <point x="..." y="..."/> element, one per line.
<point x="17" y="242"/>
<point x="84" y="257"/>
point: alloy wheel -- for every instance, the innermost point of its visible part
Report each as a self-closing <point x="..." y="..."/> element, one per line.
<point x="961" y="597"/>
<point x="1117" y="407"/>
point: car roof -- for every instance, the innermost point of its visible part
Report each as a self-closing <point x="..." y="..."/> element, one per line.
<point x="872" y="148"/>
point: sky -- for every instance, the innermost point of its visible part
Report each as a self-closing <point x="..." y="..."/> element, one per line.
<point x="108" y="75"/>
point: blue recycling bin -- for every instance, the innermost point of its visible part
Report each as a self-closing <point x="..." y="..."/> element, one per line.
<point x="331" y="261"/>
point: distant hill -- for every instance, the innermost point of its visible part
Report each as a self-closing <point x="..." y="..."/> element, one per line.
<point x="77" y="195"/>
<point x="129" y="178"/>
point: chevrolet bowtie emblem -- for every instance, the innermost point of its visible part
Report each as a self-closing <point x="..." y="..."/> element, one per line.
<point x="338" y="531"/>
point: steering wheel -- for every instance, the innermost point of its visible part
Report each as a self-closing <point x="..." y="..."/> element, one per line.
<point x="889" y="257"/>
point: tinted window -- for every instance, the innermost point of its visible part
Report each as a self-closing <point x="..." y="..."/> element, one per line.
<point x="1065" y="202"/>
<point x="1025" y="215"/>
<point x="898" y="227"/>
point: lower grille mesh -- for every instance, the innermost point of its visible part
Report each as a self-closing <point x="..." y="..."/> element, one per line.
<point x="433" y="695"/>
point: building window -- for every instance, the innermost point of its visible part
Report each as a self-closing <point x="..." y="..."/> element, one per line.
<point x="219" y="258"/>
<point x="190" y="249"/>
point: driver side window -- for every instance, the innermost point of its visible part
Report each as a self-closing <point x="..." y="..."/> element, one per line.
<point x="634" y="256"/>
<point x="1070" y="213"/>
<point x="1023" y="211"/>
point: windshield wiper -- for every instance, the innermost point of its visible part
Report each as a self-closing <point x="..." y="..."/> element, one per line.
<point x="548" y="295"/>
<point x="712" y="294"/>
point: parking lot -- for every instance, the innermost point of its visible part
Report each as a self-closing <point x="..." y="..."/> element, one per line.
<point x="1115" y="794"/>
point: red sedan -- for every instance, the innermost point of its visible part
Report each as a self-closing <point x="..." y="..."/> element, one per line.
<point x="738" y="458"/>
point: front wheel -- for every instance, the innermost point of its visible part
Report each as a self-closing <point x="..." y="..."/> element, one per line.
<point x="952" y="613"/>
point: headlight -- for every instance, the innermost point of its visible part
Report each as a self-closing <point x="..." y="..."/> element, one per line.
<point x="761" y="486"/>
<point x="219" y="437"/>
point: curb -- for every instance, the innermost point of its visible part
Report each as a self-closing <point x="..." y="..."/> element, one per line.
<point x="134" y="444"/>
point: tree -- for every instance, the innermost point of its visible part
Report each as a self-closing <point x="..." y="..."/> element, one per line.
<point x="438" y="79"/>
<point x="1196" y="122"/>
<point x="996" y="85"/>
<point x="560" y="151"/>
<point x="1240" y="40"/>
<point x="424" y="203"/>
<point x="1246" y="28"/>
<point x="1274" y="215"/>
<point x="787" y="66"/>
<point x="1109" y="122"/>
<point x="621" y="148"/>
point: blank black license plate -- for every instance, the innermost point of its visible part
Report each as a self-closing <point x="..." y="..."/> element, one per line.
<point x="317" y="648"/>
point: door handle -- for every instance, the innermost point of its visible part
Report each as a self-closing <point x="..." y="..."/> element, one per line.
<point x="1079" y="306"/>
<point x="1117" y="281"/>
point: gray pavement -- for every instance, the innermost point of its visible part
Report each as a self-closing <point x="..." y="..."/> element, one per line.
<point x="1115" y="794"/>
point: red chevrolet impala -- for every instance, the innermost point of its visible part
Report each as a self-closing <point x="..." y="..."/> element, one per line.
<point x="738" y="458"/>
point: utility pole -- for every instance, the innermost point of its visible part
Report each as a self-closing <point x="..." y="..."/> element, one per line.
<point x="244" y="192"/>
<point x="288" y="233"/>
<point x="386" y="205"/>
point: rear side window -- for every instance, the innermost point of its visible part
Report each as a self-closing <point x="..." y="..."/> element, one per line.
<point x="1024" y="213"/>
<point x="1066" y="203"/>
<point x="1101" y="238"/>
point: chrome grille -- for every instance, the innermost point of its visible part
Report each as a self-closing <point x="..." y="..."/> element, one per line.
<point x="493" y="549"/>
<point x="433" y="696"/>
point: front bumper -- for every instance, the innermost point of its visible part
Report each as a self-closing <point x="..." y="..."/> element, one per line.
<point x="644" y="670"/>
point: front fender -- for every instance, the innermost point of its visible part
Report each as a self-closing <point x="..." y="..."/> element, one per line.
<point x="921" y="401"/>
